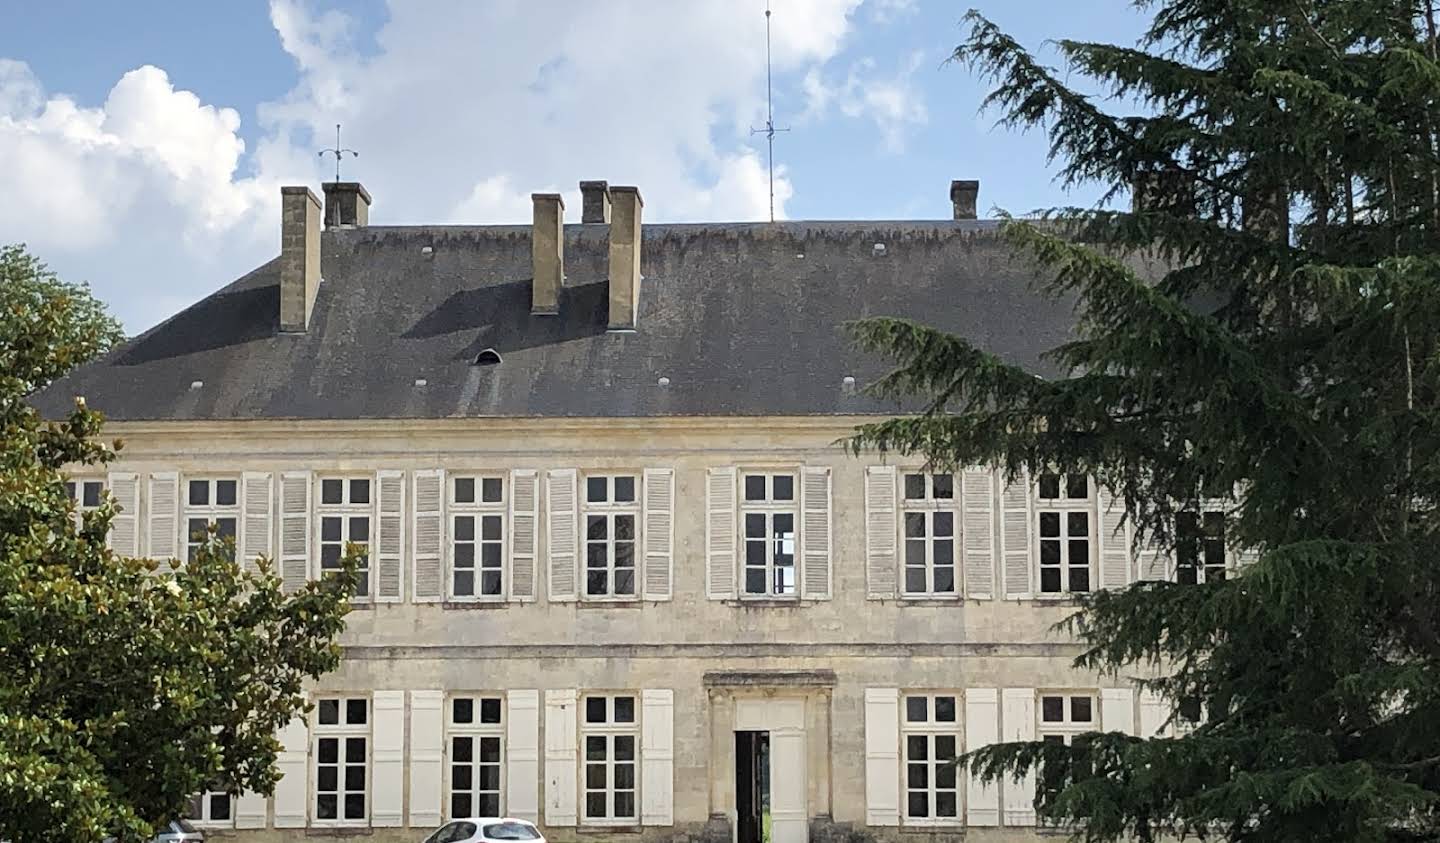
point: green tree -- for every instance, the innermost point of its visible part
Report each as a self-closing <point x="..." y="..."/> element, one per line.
<point x="125" y="686"/>
<point x="1284" y="353"/>
<point x="26" y="286"/>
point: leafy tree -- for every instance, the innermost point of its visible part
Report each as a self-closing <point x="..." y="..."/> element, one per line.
<point x="125" y="686"/>
<point x="1284" y="352"/>
<point x="26" y="286"/>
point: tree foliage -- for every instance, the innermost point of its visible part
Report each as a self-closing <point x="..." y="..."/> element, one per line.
<point x="26" y="287"/>
<point x="1264" y="325"/>
<point x="126" y="686"/>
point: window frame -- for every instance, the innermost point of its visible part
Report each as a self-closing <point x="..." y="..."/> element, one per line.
<point x="610" y="510"/>
<point x="768" y="508"/>
<point x="931" y="730"/>
<point x="1067" y="728"/>
<point x="476" y="731"/>
<point x="75" y="490"/>
<point x="342" y="732"/>
<point x="347" y="511"/>
<point x="202" y="800"/>
<point x="212" y="511"/>
<point x="478" y="510"/>
<point x="927" y="507"/>
<point x="609" y="731"/>
<point x="1063" y="507"/>
<point x="1202" y="542"/>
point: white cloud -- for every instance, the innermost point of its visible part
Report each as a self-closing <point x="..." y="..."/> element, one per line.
<point x="892" y="102"/>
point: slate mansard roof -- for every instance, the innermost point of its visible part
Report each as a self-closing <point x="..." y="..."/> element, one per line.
<point x="742" y="319"/>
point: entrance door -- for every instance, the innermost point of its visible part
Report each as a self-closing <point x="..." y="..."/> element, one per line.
<point x="752" y="786"/>
<point x="789" y="818"/>
<point x="781" y="721"/>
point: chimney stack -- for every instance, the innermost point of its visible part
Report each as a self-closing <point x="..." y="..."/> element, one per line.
<point x="624" y="257"/>
<point x="347" y="204"/>
<point x="547" y="253"/>
<point x="299" y="256"/>
<point x="594" y="201"/>
<point x="964" y="193"/>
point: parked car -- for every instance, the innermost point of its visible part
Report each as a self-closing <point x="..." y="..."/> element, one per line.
<point x="178" y="831"/>
<point x="487" y="830"/>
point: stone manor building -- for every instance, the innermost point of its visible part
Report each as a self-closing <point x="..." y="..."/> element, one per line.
<point x="621" y="580"/>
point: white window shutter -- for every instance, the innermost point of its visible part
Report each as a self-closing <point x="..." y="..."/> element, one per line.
<point x="1019" y="725"/>
<point x="1153" y="714"/>
<point x="427" y="757"/>
<point x="1154" y="565"/>
<point x="428" y="536"/>
<point x="251" y="810"/>
<point x="1114" y="533"/>
<point x="659" y="530"/>
<point x="720" y="533"/>
<point x="882" y="756"/>
<point x="657" y="757"/>
<point x="258" y="500"/>
<point x="387" y="759"/>
<point x="982" y="728"/>
<point x="390" y="537"/>
<point x="815" y="533"/>
<point x="881" y="532"/>
<point x="522" y="756"/>
<point x="524" y="531"/>
<point x="124" y="536"/>
<point x="978" y="491"/>
<point x="1015" y="537"/>
<point x="564" y="533"/>
<point x="1117" y="710"/>
<point x="560" y="778"/>
<point x="162" y="529"/>
<point x="292" y="792"/>
<point x="294" y="530"/>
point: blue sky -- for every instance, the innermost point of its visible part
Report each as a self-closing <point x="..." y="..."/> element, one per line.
<point x="146" y="140"/>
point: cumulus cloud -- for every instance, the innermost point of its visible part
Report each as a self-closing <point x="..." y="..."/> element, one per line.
<point x="892" y="102"/>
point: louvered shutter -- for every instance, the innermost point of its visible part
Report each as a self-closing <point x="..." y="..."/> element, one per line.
<point x="294" y="529"/>
<point x="1015" y="537"/>
<point x="258" y="499"/>
<point x="882" y="756"/>
<point x="978" y="490"/>
<point x="1114" y="535"/>
<point x="881" y="532"/>
<point x="124" y="536"/>
<point x="292" y="791"/>
<point x="162" y="529"/>
<point x="387" y="759"/>
<point x="1117" y="710"/>
<point x="659" y="527"/>
<point x="657" y="757"/>
<point x="982" y="728"/>
<point x="251" y="810"/>
<point x="1154" y="565"/>
<point x="564" y="534"/>
<point x="720" y="533"/>
<point x="428" y="536"/>
<point x="1153" y="714"/>
<point x="524" y="527"/>
<point x="815" y="527"/>
<point x="1019" y="725"/>
<point x="560" y="780"/>
<point x="390" y="537"/>
<point x="522" y="755"/>
<point x="427" y="759"/>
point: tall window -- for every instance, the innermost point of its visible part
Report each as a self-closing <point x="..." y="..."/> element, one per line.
<point x="1200" y="547"/>
<point x="345" y="514"/>
<point x="610" y="735"/>
<point x="477" y="538"/>
<point x="212" y="807"/>
<point x="931" y="733"/>
<point x="1063" y="716"/>
<point x="87" y="496"/>
<point x="929" y="517"/>
<point x="477" y="734"/>
<point x="1063" y="512"/>
<point x="611" y="513"/>
<point x="769" y="514"/>
<point x="210" y="502"/>
<point x="342" y="733"/>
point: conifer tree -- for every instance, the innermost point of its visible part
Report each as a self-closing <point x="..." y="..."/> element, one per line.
<point x="1263" y="325"/>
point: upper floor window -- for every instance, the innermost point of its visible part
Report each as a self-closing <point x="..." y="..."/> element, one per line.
<point x="768" y="512"/>
<point x="612" y="513"/>
<point x="1063" y="512"/>
<point x="931" y="733"/>
<point x="477" y="537"/>
<point x="345" y="515"/>
<point x="1063" y="716"/>
<point x="609" y="737"/>
<point x="342" y="733"/>
<point x="929" y="523"/>
<point x="477" y="736"/>
<point x="213" y="807"/>
<point x="1200" y="547"/>
<point x="210" y="502"/>
<point x="87" y="496"/>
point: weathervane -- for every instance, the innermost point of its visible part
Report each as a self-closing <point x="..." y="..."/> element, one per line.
<point x="769" y="130"/>
<point x="339" y="152"/>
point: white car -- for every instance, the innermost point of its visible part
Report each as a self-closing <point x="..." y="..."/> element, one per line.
<point x="487" y="830"/>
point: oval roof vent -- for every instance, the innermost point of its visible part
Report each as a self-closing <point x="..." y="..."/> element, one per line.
<point x="487" y="357"/>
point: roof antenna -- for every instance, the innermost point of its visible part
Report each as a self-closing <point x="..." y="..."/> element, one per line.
<point x="339" y="153"/>
<point x="769" y="130"/>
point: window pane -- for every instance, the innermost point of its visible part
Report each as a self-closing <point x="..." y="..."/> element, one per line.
<point x="1049" y="552"/>
<point x="329" y="711"/>
<point x="945" y="773"/>
<point x="329" y="750"/>
<point x="491" y="527"/>
<point x="915" y="580"/>
<point x="462" y="749"/>
<point x="359" y="529"/>
<point x="354" y="806"/>
<point x="944" y="486"/>
<point x="91" y="494"/>
<point x="460" y="805"/>
<point x="224" y="492"/>
<point x="624" y="747"/>
<point x="463" y="710"/>
<point x="914" y="486"/>
<point x="464" y="490"/>
<point x="595" y="711"/>
<point x="917" y="747"/>
<point x="1078" y="524"/>
<point x="490" y="555"/>
<point x="754" y="487"/>
<point x="624" y="489"/>
<point x="918" y="804"/>
<point x="331" y="530"/>
<point x="917" y="709"/>
<point x="1079" y="579"/>
<point x="1077" y="486"/>
<point x="1052" y="709"/>
<point x="597" y="582"/>
<point x="625" y="804"/>
<point x="945" y="804"/>
<point x="754" y="525"/>
<point x="490" y="775"/>
<point x="597" y="489"/>
<point x="917" y="775"/>
<point x="1079" y="552"/>
<point x="1080" y="709"/>
<point x="199" y="492"/>
<point x="945" y="580"/>
<point x="624" y="710"/>
<point x="784" y="487"/>
<point x="355" y="712"/>
<point x="945" y="709"/>
<point x="462" y="776"/>
<point x="359" y="491"/>
<point x="755" y="580"/>
<point x="625" y="527"/>
<point x="595" y="805"/>
<point x="625" y="578"/>
<point x="595" y="748"/>
<point x="944" y="524"/>
<point x="327" y="779"/>
<point x="355" y="750"/>
<point x="332" y="491"/>
<point x="915" y="525"/>
<point x="915" y="553"/>
<point x="490" y="710"/>
<point x="489" y="807"/>
<point x="624" y="776"/>
<point x="1049" y="486"/>
<point x="355" y="777"/>
<point x="1050" y="580"/>
<point x="1049" y="524"/>
<point x="492" y="490"/>
<point x="491" y="583"/>
<point x="325" y="806"/>
<point x="595" y="776"/>
<point x="944" y="747"/>
<point x="945" y="552"/>
<point x="464" y="528"/>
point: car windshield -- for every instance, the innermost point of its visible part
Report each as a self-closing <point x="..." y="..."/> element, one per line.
<point x="512" y="831"/>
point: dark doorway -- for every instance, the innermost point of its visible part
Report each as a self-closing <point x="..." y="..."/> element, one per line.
<point x="752" y="786"/>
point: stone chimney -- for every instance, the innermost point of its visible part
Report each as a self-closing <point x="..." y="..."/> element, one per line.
<point x="299" y="256"/>
<point x="547" y="253"/>
<point x="964" y="193"/>
<point x="594" y="201"/>
<point x="624" y="257"/>
<point x="347" y="204"/>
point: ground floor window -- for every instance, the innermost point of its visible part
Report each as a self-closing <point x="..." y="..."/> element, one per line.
<point x="342" y="735"/>
<point x="609" y="740"/>
<point x="476" y="725"/>
<point x="930" y="732"/>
